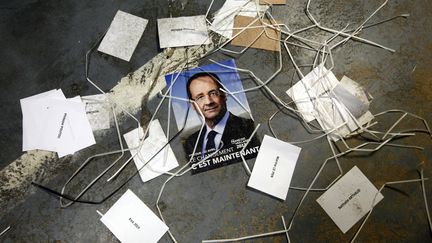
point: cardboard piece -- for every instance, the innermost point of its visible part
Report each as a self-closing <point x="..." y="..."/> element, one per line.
<point x="267" y="37"/>
<point x="274" y="167"/>
<point x="162" y="162"/>
<point x="183" y="31"/>
<point x="130" y="220"/>
<point x="349" y="199"/>
<point x="123" y="35"/>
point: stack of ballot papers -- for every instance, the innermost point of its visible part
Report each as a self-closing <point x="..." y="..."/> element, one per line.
<point x="130" y="220"/>
<point x="339" y="107"/>
<point x="52" y="122"/>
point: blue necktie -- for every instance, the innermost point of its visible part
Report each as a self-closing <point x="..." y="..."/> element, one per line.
<point x="210" y="140"/>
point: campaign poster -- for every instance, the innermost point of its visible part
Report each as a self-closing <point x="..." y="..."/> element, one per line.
<point x="213" y="113"/>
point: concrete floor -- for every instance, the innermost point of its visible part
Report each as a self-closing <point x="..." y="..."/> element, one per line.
<point x="44" y="45"/>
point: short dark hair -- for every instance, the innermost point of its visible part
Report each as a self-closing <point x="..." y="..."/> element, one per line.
<point x="202" y="74"/>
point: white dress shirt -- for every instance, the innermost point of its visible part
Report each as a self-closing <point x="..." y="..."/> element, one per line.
<point x="219" y="128"/>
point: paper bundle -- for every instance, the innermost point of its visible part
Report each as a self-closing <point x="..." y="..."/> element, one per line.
<point x="98" y="111"/>
<point x="339" y="107"/>
<point x="52" y="122"/>
<point x="183" y="31"/>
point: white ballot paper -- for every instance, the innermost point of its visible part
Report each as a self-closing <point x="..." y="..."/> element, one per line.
<point x="32" y="120"/>
<point x="274" y="167"/>
<point x="130" y="220"/>
<point x="123" y="35"/>
<point x="162" y="162"/>
<point x="223" y="21"/>
<point x="319" y="95"/>
<point x="183" y="31"/>
<point x="334" y="113"/>
<point x="52" y="122"/>
<point x="98" y="111"/>
<point x="68" y="116"/>
<point x="349" y="199"/>
<point x="312" y="86"/>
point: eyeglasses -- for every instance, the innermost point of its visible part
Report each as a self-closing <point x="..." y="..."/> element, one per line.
<point x="212" y="94"/>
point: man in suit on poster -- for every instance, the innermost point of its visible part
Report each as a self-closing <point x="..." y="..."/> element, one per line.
<point x="222" y="130"/>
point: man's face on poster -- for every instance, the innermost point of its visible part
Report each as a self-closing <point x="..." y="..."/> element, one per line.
<point x="208" y="98"/>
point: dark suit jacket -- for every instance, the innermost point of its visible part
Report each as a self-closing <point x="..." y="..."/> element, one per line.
<point x="236" y="128"/>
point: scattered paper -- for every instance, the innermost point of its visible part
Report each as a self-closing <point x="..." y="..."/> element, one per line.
<point x="319" y="95"/>
<point x="312" y="86"/>
<point x="123" y="35"/>
<point x="52" y="122"/>
<point x="162" y="162"/>
<point x="32" y="121"/>
<point x="223" y="21"/>
<point x="333" y="114"/>
<point x="349" y="199"/>
<point x="274" y="2"/>
<point x="183" y="31"/>
<point x="66" y="126"/>
<point x="261" y="38"/>
<point x="274" y="167"/>
<point x="355" y="89"/>
<point x="356" y="107"/>
<point x="98" y="111"/>
<point x="130" y="220"/>
<point x="347" y="102"/>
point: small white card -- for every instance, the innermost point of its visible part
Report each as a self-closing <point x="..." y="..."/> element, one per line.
<point x="123" y="35"/>
<point x="98" y="111"/>
<point x="67" y="118"/>
<point x="33" y="122"/>
<point x="183" y="31"/>
<point x="162" y="162"/>
<point x="130" y="220"/>
<point x="349" y="199"/>
<point x="355" y="89"/>
<point x="274" y="167"/>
